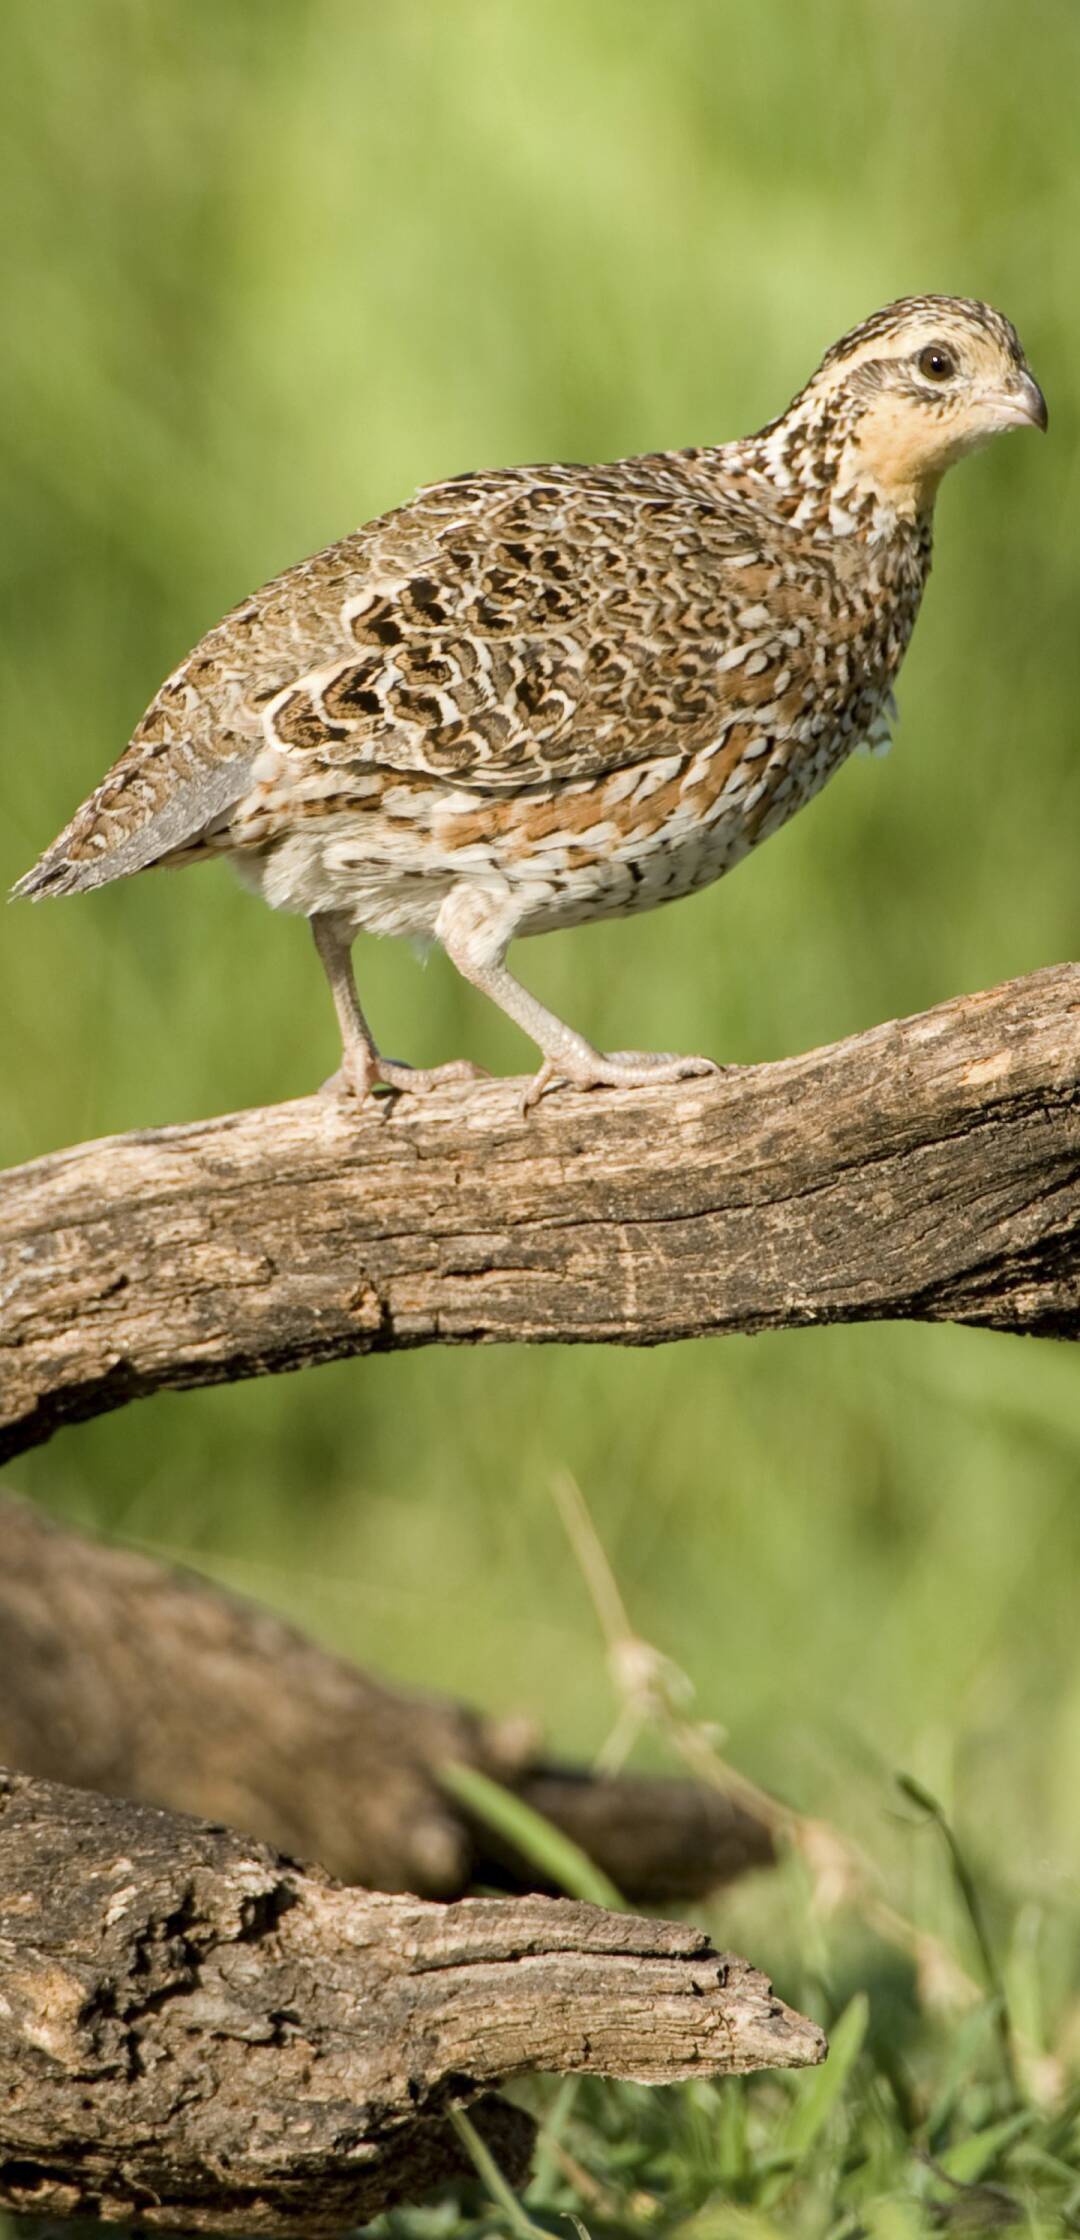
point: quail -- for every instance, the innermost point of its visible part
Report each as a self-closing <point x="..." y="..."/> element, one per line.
<point x="543" y="695"/>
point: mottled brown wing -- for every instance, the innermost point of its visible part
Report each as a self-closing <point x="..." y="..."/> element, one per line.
<point x="521" y="627"/>
<point x="548" y="628"/>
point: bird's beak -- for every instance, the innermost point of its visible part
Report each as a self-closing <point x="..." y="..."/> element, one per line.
<point x="1023" y="404"/>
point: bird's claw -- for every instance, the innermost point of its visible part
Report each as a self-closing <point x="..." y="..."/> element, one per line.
<point x="360" y="1079"/>
<point x="417" y="1080"/>
<point x="615" y="1069"/>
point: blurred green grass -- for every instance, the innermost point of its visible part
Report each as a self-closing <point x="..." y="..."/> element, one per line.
<point x="267" y="269"/>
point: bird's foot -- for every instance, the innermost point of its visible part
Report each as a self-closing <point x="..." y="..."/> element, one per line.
<point x="614" y="1069"/>
<point x="360" y="1076"/>
<point x="417" y="1080"/>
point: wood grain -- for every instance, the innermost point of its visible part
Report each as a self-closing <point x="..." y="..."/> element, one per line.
<point x="929" y="1168"/>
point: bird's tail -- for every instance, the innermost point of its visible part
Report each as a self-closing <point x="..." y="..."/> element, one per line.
<point x="126" y="826"/>
<point x="57" y="872"/>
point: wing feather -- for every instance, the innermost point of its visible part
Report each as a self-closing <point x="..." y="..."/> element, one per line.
<point x="551" y="629"/>
<point x="523" y="628"/>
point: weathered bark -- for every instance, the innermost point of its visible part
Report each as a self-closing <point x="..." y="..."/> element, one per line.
<point x="197" y="2035"/>
<point x="929" y="1168"/>
<point x="126" y="1675"/>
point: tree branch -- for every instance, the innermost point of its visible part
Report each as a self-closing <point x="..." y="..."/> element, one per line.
<point x="129" y="1676"/>
<point x="196" y="2035"/>
<point x="927" y="1169"/>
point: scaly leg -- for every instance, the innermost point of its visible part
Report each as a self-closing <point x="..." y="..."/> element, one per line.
<point x="475" y="930"/>
<point x="362" y="1067"/>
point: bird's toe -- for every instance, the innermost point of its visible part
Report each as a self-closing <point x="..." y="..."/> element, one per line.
<point x="663" y="1065"/>
<point x="417" y="1080"/>
<point x="615" y="1069"/>
<point x="353" y="1082"/>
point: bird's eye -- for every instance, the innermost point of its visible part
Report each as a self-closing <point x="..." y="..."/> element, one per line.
<point x="936" y="363"/>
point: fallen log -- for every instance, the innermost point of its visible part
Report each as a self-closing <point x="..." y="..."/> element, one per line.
<point x="134" y="1677"/>
<point x="927" y="1169"/>
<point x="197" y="2035"/>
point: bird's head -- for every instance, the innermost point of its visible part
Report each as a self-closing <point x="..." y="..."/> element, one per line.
<point x="910" y="391"/>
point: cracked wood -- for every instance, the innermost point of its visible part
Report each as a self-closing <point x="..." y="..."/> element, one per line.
<point x="929" y="1168"/>
<point x="198" y="2035"/>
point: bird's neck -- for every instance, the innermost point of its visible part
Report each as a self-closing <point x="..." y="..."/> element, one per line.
<point x="838" y="472"/>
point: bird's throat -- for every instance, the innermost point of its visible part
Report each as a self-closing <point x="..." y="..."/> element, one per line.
<point x="886" y="464"/>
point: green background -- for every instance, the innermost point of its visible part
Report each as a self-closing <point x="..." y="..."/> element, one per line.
<point x="269" y="266"/>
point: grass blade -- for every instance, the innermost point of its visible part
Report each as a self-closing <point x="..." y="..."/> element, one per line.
<point x="969" y="1894"/>
<point x="487" y="2170"/>
<point x="558" y="1858"/>
<point x="971" y="2158"/>
<point x="818" y="2095"/>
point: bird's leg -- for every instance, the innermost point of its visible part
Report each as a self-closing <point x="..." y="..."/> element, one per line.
<point x="363" y="1068"/>
<point x="475" y="931"/>
<point x="359" y="1057"/>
